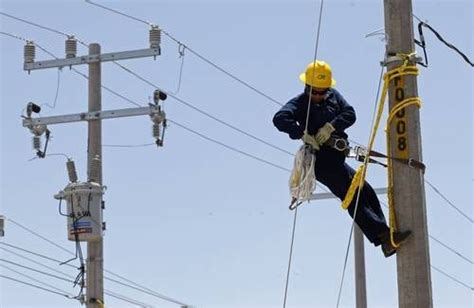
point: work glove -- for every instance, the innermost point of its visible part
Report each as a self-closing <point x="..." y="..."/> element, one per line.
<point x="324" y="133"/>
<point x="311" y="140"/>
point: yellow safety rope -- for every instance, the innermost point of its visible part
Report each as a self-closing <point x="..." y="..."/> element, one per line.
<point x="359" y="177"/>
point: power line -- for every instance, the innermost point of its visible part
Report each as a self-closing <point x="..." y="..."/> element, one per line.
<point x="137" y="286"/>
<point x="451" y="249"/>
<point x="437" y="191"/>
<point x="36" y="270"/>
<point x="39" y="263"/>
<point x="166" y="298"/>
<point x="37" y="280"/>
<point x="33" y="24"/>
<point x="452" y="278"/>
<point x="213" y="64"/>
<point x="35" y="286"/>
<point x="205" y="113"/>
<point x="230" y="147"/>
<point x="108" y="292"/>
<point x="39" y="235"/>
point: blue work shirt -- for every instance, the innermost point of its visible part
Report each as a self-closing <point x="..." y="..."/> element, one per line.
<point x="291" y="118"/>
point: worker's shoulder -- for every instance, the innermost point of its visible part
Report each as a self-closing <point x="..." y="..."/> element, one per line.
<point x="298" y="99"/>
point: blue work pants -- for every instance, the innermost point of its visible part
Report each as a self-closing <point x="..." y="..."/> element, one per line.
<point x="332" y="171"/>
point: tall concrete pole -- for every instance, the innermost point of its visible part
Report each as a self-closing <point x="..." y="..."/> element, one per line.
<point x="95" y="259"/>
<point x="413" y="258"/>
<point x="359" y="254"/>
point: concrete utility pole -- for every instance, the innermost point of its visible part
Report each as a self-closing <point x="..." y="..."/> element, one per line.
<point x="413" y="259"/>
<point x="359" y="255"/>
<point x="94" y="116"/>
<point x="95" y="249"/>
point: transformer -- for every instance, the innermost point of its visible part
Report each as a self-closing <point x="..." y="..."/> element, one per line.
<point x="84" y="210"/>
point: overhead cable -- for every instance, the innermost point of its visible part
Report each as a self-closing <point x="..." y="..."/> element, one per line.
<point x="37" y="281"/>
<point x="213" y="64"/>
<point x="35" y="286"/>
<point x="36" y="270"/>
<point x="452" y="278"/>
<point x="207" y="114"/>
<point x="437" y="191"/>
<point x="106" y="291"/>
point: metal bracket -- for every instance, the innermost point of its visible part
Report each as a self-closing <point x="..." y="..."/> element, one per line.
<point x="90" y="116"/>
<point x="115" y="56"/>
<point x="392" y="59"/>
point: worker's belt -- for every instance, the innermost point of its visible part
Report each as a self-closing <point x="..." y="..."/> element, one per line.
<point x="339" y="144"/>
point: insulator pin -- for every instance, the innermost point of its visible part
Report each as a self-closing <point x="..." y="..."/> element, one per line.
<point x="37" y="143"/>
<point x="95" y="170"/>
<point x="29" y="52"/>
<point x="156" y="131"/>
<point x="155" y="37"/>
<point x="71" y="170"/>
<point x="71" y="47"/>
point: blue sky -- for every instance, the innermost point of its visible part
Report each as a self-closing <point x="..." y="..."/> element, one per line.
<point x="194" y="220"/>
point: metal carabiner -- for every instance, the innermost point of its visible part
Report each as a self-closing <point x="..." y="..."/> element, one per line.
<point x="340" y="144"/>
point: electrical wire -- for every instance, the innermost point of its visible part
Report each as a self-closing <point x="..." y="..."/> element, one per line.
<point x="166" y="298"/>
<point x="38" y="235"/>
<point x="437" y="191"/>
<point x="213" y="64"/>
<point x="137" y="286"/>
<point x="452" y="278"/>
<point x="181" y="49"/>
<point x="57" y="91"/>
<point x="106" y="291"/>
<point x="39" y="263"/>
<point x="422" y="42"/>
<point x="35" y="286"/>
<point x="318" y="31"/>
<point x="37" y="281"/>
<point x="36" y="270"/>
<point x="33" y="24"/>
<point x="451" y="249"/>
<point x="358" y="196"/>
<point x="205" y="113"/>
<point x="230" y="147"/>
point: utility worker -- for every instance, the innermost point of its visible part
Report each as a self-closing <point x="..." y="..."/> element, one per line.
<point x="329" y="116"/>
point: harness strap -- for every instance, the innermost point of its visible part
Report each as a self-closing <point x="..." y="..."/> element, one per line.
<point x="413" y="163"/>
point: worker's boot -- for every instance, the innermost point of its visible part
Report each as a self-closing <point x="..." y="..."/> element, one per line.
<point x="398" y="237"/>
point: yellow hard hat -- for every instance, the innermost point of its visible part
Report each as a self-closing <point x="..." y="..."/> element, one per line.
<point x="319" y="75"/>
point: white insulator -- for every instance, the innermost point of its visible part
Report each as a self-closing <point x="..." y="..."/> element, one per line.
<point x="95" y="170"/>
<point x="71" y="47"/>
<point x="29" y="52"/>
<point x="156" y="131"/>
<point x="71" y="170"/>
<point x="37" y="143"/>
<point x="155" y="37"/>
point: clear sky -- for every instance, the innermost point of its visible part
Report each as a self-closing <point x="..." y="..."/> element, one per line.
<point x="194" y="220"/>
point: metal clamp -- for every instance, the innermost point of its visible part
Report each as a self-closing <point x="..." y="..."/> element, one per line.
<point x="340" y="144"/>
